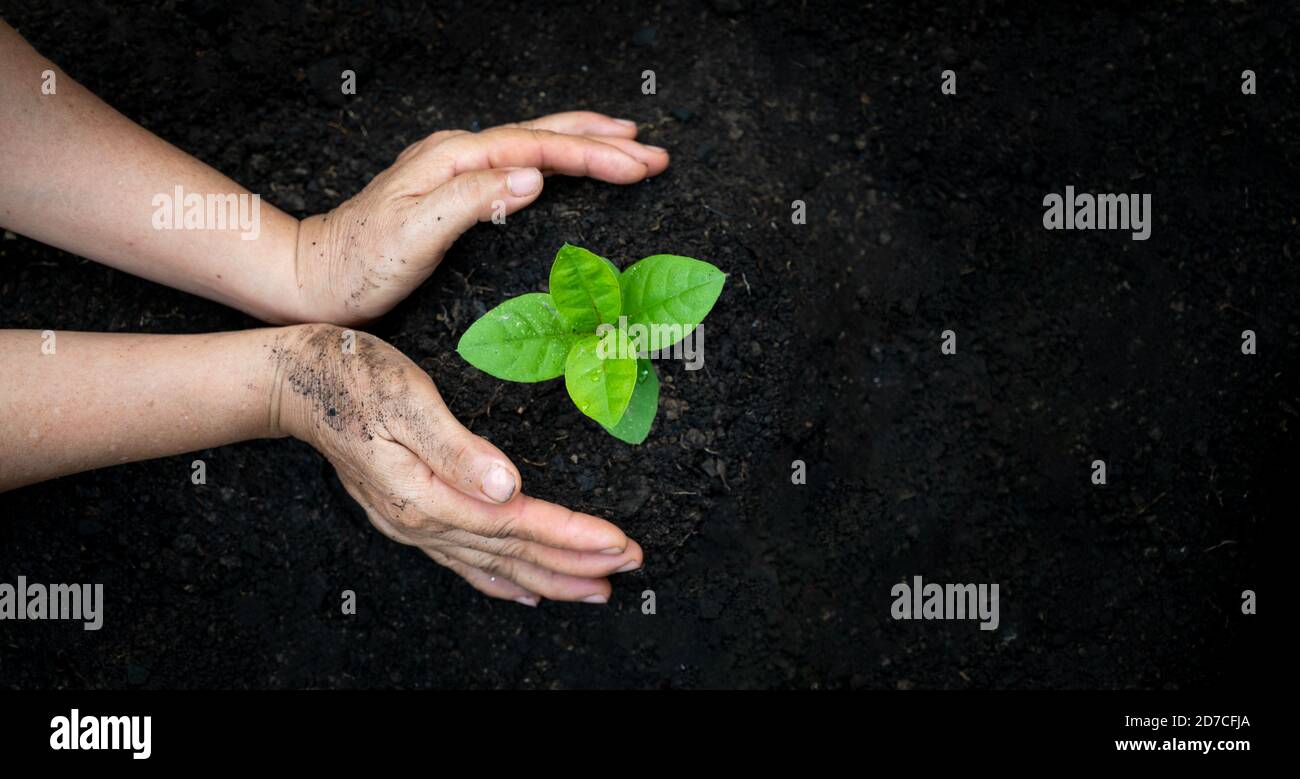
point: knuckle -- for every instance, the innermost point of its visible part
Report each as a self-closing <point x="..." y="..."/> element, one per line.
<point x="550" y="586"/>
<point x="500" y="567"/>
<point x="436" y="555"/>
<point x="443" y="135"/>
<point x="455" y="457"/>
<point x="569" y="527"/>
<point x="540" y="136"/>
<point x="467" y="190"/>
<point x="409" y="521"/>
<point x="501" y="528"/>
<point x="439" y="532"/>
<point x="410" y="150"/>
<point x="404" y="516"/>
<point x="513" y="547"/>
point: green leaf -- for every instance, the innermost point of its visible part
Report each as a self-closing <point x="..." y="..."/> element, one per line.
<point x="585" y="288"/>
<point x="642" y="408"/>
<point x="523" y="339"/>
<point x="668" y="296"/>
<point x="598" y="378"/>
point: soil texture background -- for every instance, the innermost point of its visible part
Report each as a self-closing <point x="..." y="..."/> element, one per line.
<point x="924" y="214"/>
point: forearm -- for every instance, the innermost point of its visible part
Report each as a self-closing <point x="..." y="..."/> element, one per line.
<point x="76" y="174"/>
<point x="88" y="400"/>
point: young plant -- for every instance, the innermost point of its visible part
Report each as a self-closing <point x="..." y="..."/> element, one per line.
<point x="596" y="328"/>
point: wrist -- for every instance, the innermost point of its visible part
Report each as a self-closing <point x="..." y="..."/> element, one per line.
<point x="259" y="276"/>
<point x="254" y="275"/>
<point x="309" y="254"/>
<point x="285" y="307"/>
<point x="300" y="377"/>
<point x="318" y="295"/>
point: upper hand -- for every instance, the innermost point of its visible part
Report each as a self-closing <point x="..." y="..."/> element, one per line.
<point x="359" y="260"/>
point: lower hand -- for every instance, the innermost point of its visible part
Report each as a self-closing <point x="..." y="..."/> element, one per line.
<point x="427" y="481"/>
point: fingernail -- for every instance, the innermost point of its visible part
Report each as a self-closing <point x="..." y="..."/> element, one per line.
<point x="527" y="601"/>
<point x="499" y="483"/>
<point x="630" y="565"/>
<point x="524" y="181"/>
<point x="613" y="550"/>
<point x="594" y="599"/>
<point x="659" y="149"/>
<point x="626" y="122"/>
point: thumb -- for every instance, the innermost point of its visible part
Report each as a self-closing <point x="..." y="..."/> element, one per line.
<point x="478" y="196"/>
<point x="455" y="455"/>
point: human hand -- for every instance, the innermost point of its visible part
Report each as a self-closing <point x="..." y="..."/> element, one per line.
<point x="427" y="481"/>
<point x="359" y="260"/>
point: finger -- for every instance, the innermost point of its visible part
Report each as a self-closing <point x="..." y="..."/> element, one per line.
<point x="428" y="142"/>
<point x="580" y="123"/>
<point x="484" y="582"/>
<point x="654" y="158"/>
<point x="493" y="586"/>
<point x="469" y="198"/>
<point x="377" y="519"/>
<point x="574" y="563"/>
<point x="548" y="584"/>
<point x="525" y="518"/>
<point x="453" y="455"/>
<point x="515" y="147"/>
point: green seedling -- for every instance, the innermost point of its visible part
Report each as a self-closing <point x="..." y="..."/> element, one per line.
<point x="596" y="328"/>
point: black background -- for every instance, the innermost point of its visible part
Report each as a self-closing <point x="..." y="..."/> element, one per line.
<point x="924" y="214"/>
<point x="739" y="729"/>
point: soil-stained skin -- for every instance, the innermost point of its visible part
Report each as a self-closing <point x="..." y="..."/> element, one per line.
<point x="359" y="388"/>
<point x="350" y="273"/>
<point x="348" y="252"/>
<point x="345" y="380"/>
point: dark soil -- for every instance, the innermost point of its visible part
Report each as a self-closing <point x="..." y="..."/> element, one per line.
<point x="924" y="214"/>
